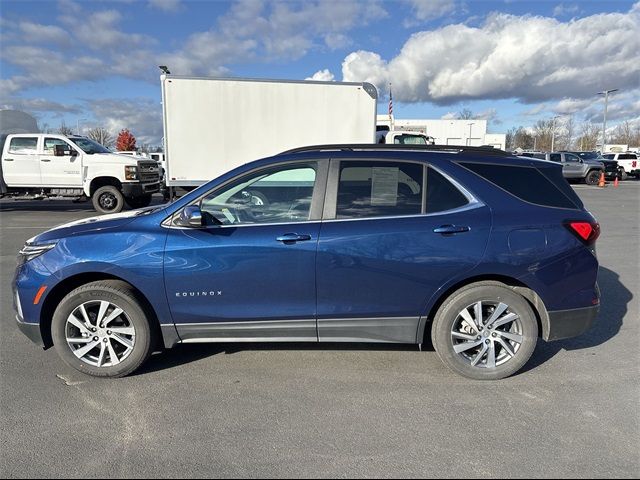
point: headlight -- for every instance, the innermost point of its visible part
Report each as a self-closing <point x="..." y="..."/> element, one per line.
<point x="131" y="173"/>
<point x="29" y="252"/>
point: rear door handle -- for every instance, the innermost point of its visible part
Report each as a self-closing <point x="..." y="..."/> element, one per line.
<point x="8" y="159"/>
<point x="450" y="229"/>
<point x="293" y="238"/>
<point x="45" y="160"/>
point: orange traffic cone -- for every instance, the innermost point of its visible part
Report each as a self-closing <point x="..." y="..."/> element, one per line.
<point x="615" y="182"/>
<point x="601" y="183"/>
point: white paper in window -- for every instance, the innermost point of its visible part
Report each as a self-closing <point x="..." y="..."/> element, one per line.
<point x="384" y="186"/>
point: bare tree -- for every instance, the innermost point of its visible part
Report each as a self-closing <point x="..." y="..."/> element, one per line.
<point x="623" y="134"/>
<point x="565" y="139"/>
<point x="589" y="136"/>
<point x="520" y="137"/>
<point x="64" y="130"/>
<point x="465" y="114"/>
<point x="543" y="131"/>
<point x="102" y="136"/>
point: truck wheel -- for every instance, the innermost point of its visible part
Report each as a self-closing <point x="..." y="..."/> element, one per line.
<point x="108" y="199"/>
<point x="485" y="332"/>
<point x="101" y="329"/>
<point x="592" y="178"/>
<point x="622" y="174"/>
<point x="138" y="202"/>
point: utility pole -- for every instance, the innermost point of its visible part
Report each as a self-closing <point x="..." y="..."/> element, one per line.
<point x="604" y="121"/>
<point x="553" y="132"/>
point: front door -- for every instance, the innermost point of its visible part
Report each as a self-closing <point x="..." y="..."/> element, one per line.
<point x="249" y="273"/>
<point x="571" y="166"/>
<point x="64" y="171"/>
<point x="387" y="244"/>
<point x="21" y="164"/>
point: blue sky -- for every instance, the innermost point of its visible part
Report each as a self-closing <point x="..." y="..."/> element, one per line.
<point x="512" y="62"/>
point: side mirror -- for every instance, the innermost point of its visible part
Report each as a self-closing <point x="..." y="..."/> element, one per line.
<point x="63" y="151"/>
<point x="191" y="216"/>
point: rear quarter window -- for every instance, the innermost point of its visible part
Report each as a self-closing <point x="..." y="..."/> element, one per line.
<point x="530" y="184"/>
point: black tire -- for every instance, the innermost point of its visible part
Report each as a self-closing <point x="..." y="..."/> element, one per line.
<point x="592" y="178"/>
<point x="139" y="202"/>
<point x="108" y="199"/>
<point x="449" y="314"/>
<point x="117" y="293"/>
<point x="622" y="174"/>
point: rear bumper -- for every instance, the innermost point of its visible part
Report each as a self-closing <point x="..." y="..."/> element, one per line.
<point x="31" y="330"/>
<point x="571" y="323"/>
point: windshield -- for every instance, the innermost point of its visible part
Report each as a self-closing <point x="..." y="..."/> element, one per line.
<point x="89" y="146"/>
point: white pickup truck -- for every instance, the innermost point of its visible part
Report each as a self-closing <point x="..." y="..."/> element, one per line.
<point x="47" y="165"/>
<point x="629" y="161"/>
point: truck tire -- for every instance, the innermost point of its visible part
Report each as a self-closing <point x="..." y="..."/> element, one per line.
<point x="593" y="177"/>
<point x="491" y="348"/>
<point x="108" y="199"/>
<point x="101" y="329"/>
<point x="138" y="202"/>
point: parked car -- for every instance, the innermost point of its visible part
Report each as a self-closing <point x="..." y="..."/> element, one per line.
<point x="353" y="243"/>
<point x="611" y="168"/>
<point x="629" y="161"/>
<point x="573" y="167"/>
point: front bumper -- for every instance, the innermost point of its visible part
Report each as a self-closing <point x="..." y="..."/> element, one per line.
<point x="132" y="190"/>
<point x="571" y="323"/>
<point x="31" y="330"/>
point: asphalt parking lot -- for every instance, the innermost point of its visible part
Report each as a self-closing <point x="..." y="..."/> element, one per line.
<point x="304" y="410"/>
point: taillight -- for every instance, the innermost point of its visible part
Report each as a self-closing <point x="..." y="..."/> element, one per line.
<point x="585" y="231"/>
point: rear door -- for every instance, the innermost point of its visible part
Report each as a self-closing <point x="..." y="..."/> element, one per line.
<point x="393" y="233"/>
<point x="65" y="171"/>
<point x="21" y="163"/>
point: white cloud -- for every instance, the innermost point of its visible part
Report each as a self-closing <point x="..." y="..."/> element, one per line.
<point x="38" y="33"/>
<point x="142" y="116"/>
<point x="529" y="58"/>
<point x="166" y="5"/>
<point x="563" y="9"/>
<point x="425" y="10"/>
<point x="322" y="76"/>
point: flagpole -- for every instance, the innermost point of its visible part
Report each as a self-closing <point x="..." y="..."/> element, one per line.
<point x="391" y="127"/>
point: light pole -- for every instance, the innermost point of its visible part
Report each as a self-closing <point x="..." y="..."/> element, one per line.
<point x="469" y="139"/>
<point x="604" y="120"/>
<point x="553" y="131"/>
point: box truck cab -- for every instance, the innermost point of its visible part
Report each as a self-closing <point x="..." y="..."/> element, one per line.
<point x="47" y="165"/>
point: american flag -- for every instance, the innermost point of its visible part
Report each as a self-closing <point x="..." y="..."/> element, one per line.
<point x="390" y="102"/>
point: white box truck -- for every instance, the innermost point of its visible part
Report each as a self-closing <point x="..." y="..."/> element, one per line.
<point x="212" y="125"/>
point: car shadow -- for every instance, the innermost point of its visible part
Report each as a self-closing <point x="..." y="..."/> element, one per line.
<point x="185" y="354"/>
<point x="614" y="301"/>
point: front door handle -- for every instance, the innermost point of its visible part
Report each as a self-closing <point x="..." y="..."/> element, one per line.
<point x="8" y="159"/>
<point x="288" y="238"/>
<point x="45" y="159"/>
<point x="451" y="229"/>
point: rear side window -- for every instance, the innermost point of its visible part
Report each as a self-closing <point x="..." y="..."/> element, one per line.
<point x="529" y="184"/>
<point x="379" y="189"/>
<point x="442" y="195"/>
<point x="24" y="145"/>
<point x="555" y="157"/>
<point x="627" y="156"/>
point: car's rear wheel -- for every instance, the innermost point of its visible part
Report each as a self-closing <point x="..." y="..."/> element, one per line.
<point x="101" y="329"/>
<point x="485" y="332"/>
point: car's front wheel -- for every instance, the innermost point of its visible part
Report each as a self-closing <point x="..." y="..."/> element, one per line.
<point x="101" y="329"/>
<point x="593" y="177"/>
<point x="485" y="332"/>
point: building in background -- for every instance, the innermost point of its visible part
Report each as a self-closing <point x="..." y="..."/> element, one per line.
<point x="471" y="133"/>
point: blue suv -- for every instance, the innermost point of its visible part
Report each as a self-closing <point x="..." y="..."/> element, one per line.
<point x="479" y="250"/>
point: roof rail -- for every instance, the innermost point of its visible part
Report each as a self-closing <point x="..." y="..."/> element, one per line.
<point x="390" y="147"/>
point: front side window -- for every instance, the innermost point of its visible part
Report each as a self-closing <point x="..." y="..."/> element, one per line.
<point x="24" y="145"/>
<point x="379" y="189"/>
<point x="276" y="195"/>
<point x="50" y="145"/>
<point x="568" y="157"/>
